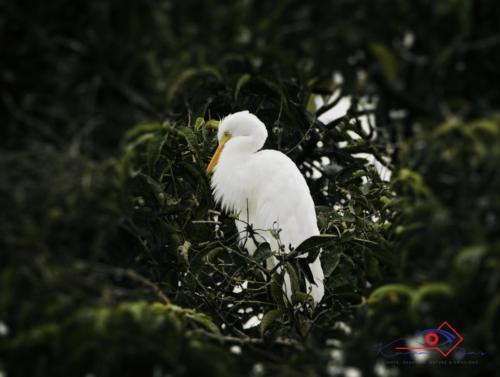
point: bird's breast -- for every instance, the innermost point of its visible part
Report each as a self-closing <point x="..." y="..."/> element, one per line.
<point x="232" y="185"/>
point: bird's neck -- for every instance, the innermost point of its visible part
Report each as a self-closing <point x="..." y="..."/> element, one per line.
<point x="232" y="179"/>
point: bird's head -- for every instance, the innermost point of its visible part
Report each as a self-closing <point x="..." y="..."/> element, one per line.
<point x="242" y="132"/>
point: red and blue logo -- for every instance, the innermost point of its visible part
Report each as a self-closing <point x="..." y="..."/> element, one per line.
<point x="444" y="340"/>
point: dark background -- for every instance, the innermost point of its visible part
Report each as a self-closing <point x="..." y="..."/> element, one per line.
<point x="110" y="262"/>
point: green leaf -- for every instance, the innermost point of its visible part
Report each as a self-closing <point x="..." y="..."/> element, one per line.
<point x="187" y="75"/>
<point x="143" y="128"/>
<point x="153" y="152"/>
<point x="212" y="124"/>
<point x="294" y="279"/>
<point x="304" y="267"/>
<point x="311" y="104"/>
<point x="485" y="126"/>
<point x="330" y="263"/>
<point x="312" y="243"/>
<point x="277" y="289"/>
<point x="390" y="290"/>
<point x="450" y="125"/>
<point x="191" y="139"/>
<point x="268" y="319"/>
<point x="387" y="61"/>
<point x="263" y="252"/>
<point x="184" y="250"/>
<point x="468" y="261"/>
<point x="199" y="123"/>
<point x="205" y="321"/>
<point x="213" y="253"/>
<point x="241" y="82"/>
<point x="303" y="298"/>
<point x="156" y="188"/>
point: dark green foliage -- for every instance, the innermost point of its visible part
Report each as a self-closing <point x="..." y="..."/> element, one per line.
<point x="116" y="261"/>
<point x="132" y="339"/>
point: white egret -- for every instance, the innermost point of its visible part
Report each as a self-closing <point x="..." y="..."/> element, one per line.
<point x="266" y="190"/>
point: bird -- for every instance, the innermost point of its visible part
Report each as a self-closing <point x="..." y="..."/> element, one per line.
<point x="266" y="192"/>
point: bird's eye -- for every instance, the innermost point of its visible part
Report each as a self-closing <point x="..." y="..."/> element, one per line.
<point x="227" y="134"/>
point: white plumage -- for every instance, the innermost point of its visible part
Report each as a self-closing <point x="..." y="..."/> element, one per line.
<point x="266" y="190"/>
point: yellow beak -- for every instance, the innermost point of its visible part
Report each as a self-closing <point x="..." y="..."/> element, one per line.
<point x="215" y="158"/>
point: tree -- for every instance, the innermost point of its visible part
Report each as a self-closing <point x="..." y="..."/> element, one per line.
<point x="116" y="259"/>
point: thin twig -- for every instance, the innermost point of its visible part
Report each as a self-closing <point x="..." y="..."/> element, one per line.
<point x="288" y="342"/>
